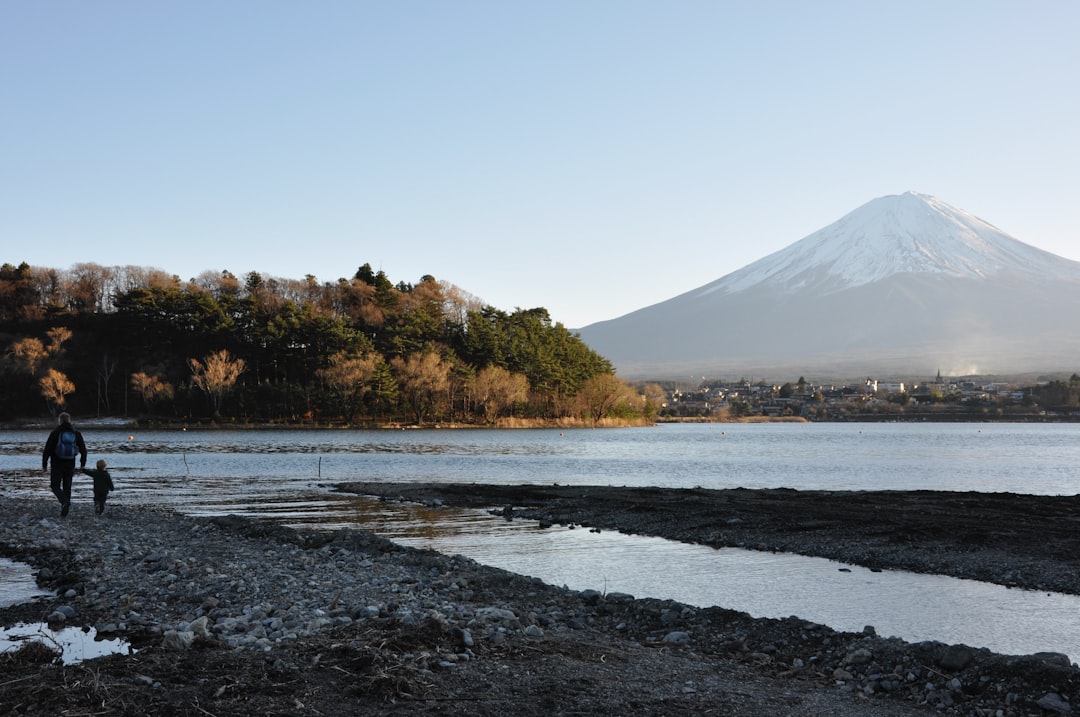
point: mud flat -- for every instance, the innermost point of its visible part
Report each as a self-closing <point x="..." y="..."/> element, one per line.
<point x="1009" y="539"/>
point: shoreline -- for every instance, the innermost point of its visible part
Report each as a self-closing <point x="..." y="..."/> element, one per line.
<point x="243" y="617"/>
<point x="1011" y="539"/>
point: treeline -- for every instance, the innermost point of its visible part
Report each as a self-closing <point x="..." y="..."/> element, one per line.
<point x="1056" y="394"/>
<point x="132" y="341"/>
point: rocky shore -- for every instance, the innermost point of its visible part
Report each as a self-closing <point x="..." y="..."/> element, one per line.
<point x="231" y="616"/>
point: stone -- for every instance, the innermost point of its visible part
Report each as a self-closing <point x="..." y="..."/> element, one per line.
<point x="463" y="636"/>
<point x="177" y="641"/>
<point x="200" y="627"/>
<point x="591" y="597"/>
<point x="1055" y="703"/>
<point x="860" y="656"/>
<point x="1053" y="658"/>
<point x="956" y="657"/>
<point x="496" y="615"/>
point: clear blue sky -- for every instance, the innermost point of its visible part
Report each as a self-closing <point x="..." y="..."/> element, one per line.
<point x="591" y="157"/>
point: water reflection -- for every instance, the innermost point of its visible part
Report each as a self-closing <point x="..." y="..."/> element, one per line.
<point x="74" y="644"/>
<point x="286" y="476"/>
<point x="910" y="606"/>
<point x="17" y="584"/>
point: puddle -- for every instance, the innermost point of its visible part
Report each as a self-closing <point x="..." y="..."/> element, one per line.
<point x="17" y="584"/>
<point x="74" y="643"/>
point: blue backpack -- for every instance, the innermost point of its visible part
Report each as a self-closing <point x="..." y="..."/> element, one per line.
<point x="66" y="446"/>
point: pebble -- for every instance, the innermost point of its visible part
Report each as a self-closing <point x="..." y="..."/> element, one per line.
<point x="187" y="580"/>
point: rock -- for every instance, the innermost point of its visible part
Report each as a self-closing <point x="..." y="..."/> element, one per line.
<point x="497" y="615"/>
<point x="861" y="656"/>
<point x="591" y="597"/>
<point x="956" y="657"/>
<point x="200" y="627"/>
<point x="1053" y="658"/>
<point x="177" y="641"/>
<point x="1054" y="702"/>
<point x="462" y="636"/>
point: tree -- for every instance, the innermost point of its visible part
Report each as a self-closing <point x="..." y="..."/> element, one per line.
<point x="348" y="378"/>
<point x="55" y="388"/>
<point x="105" y="373"/>
<point x="151" y="388"/>
<point x="58" y="336"/>
<point x="423" y="380"/>
<point x="384" y="388"/>
<point x="496" y="389"/>
<point x="216" y="375"/>
<point x="18" y="296"/>
<point x="29" y="354"/>
<point x="598" y="395"/>
<point x="655" y="399"/>
<point x="88" y="287"/>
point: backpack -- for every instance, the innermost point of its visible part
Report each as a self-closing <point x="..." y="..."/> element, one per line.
<point x="66" y="446"/>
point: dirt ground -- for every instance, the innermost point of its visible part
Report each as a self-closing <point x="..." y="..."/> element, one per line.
<point x="619" y="662"/>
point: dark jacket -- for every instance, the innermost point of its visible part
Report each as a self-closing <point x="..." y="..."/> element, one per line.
<point x="49" y="452"/>
<point x="102" y="480"/>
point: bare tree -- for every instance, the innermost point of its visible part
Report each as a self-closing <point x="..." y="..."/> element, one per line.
<point x="29" y="355"/>
<point x="105" y="373"/>
<point x="58" y="336"/>
<point x="216" y="375"/>
<point x="497" y="389"/>
<point x="55" y="388"/>
<point x="423" y="379"/>
<point x="349" y="378"/>
<point x="599" y="394"/>
<point x="89" y="286"/>
<point x="151" y="388"/>
<point x="458" y="303"/>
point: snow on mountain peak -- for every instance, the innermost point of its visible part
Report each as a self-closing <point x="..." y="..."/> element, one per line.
<point x="896" y="234"/>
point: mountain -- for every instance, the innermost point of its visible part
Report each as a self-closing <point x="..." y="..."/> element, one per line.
<point x="905" y="284"/>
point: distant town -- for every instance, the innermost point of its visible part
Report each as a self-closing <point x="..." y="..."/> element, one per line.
<point x="936" y="399"/>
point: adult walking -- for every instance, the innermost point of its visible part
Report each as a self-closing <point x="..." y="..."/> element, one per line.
<point x="64" y="445"/>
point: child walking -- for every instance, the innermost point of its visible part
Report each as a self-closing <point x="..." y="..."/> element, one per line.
<point x="102" y="485"/>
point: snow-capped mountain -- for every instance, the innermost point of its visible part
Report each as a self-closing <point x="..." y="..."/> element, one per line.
<point x="904" y="283"/>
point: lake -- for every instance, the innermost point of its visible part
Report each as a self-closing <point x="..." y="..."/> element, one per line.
<point x="287" y="475"/>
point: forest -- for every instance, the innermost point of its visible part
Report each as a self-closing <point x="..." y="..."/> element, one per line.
<point x="219" y="349"/>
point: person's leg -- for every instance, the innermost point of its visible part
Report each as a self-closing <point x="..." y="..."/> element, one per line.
<point x="56" y="482"/>
<point x="68" y="472"/>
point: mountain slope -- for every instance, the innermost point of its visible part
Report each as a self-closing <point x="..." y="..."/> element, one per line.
<point x="903" y="284"/>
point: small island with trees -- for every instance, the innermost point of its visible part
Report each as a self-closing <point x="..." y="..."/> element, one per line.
<point x="363" y="351"/>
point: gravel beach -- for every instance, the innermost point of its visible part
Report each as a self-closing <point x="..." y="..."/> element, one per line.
<point x="241" y="617"/>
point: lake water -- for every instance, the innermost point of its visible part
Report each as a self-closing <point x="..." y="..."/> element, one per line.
<point x="287" y="475"/>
